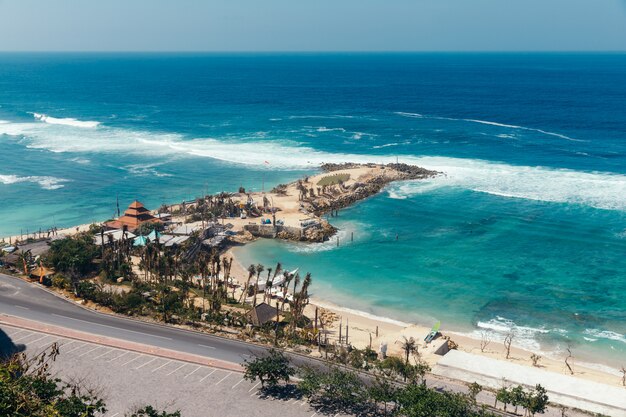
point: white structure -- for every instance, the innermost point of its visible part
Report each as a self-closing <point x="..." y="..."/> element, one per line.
<point x="562" y="389"/>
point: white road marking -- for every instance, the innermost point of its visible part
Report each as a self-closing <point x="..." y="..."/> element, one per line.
<point x="165" y="364"/>
<point x="181" y="366"/>
<point x="67" y="344"/>
<point x="16" y="333"/>
<point x="133" y="359"/>
<point x="111" y="327"/>
<point x="23" y="337"/>
<point x="89" y="351"/>
<point x="120" y="356"/>
<point x="22" y="307"/>
<point x="48" y="342"/>
<point x="314" y="414"/>
<point x="257" y="384"/>
<point x="205" y="346"/>
<point x="116" y="414"/>
<point x="150" y="361"/>
<point x="37" y="340"/>
<point x="227" y="375"/>
<point x="76" y="348"/>
<point x="208" y="375"/>
<point x="238" y="383"/>
<point x="192" y="372"/>
<point x="105" y="353"/>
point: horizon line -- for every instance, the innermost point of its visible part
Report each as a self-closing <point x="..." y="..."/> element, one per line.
<point x="477" y="51"/>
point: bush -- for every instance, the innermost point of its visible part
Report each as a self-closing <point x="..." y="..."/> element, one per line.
<point x="59" y="281"/>
<point x="72" y="255"/>
<point x="270" y="369"/>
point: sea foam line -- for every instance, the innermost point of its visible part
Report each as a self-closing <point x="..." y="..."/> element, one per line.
<point x="490" y="123"/>
<point x="596" y="189"/>
<point x="47" y="183"/>
<point x="68" y="121"/>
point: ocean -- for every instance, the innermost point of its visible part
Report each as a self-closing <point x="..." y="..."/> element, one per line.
<point x="525" y="228"/>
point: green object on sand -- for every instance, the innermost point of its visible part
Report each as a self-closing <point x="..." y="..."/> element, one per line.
<point x="433" y="332"/>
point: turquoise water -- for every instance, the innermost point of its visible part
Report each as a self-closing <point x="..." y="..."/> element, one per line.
<point x="477" y="263"/>
<point x="527" y="227"/>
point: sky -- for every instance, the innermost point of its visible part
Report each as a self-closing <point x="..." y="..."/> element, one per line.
<point x="312" y="25"/>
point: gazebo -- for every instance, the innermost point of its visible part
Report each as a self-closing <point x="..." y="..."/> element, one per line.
<point x="134" y="216"/>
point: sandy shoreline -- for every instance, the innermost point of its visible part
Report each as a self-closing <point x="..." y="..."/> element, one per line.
<point x="362" y="325"/>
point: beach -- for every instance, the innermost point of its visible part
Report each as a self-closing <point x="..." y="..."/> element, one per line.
<point x="362" y="326"/>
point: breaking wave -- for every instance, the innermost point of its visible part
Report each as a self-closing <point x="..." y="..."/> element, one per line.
<point x="47" y="183"/>
<point x="595" y="189"/>
<point x="487" y="122"/>
<point x="596" y="334"/>
<point x="68" y="121"/>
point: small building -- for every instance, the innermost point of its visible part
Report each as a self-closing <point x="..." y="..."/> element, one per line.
<point x="134" y="216"/>
<point x="112" y="235"/>
<point x="261" y="314"/>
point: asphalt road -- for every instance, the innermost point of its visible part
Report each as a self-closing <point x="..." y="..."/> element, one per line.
<point x="25" y="300"/>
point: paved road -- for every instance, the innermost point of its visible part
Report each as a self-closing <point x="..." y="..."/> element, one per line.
<point x="21" y="299"/>
<point x="127" y="380"/>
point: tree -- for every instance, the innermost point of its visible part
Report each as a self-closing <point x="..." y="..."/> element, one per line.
<point x="517" y="397"/>
<point x="72" y="255"/>
<point x="474" y="389"/>
<point x="567" y="359"/>
<point x="508" y="340"/>
<point x="382" y="391"/>
<point x="537" y="400"/>
<point x="259" y="268"/>
<point x="535" y="358"/>
<point x="409" y="346"/>
<point x="27" y="389"/>
<point x="270" y="369"/>
<point x="149" y="411"/>
<point x="251" y="272"/>
<point x="503" y="395"/>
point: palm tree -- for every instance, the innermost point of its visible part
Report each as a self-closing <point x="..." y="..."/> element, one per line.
<point x="259" y="268"/>
<point x="251" y="272"/>
<point x="409" y="346"/>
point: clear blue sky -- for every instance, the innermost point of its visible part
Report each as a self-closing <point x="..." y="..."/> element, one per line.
<point x="312" y="25"/>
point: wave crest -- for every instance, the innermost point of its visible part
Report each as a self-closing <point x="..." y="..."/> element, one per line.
<point x="47" y="183"/>
<point x="68" y="121"/>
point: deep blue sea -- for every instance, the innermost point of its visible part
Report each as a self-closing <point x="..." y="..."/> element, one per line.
<point x="526" y="228"/>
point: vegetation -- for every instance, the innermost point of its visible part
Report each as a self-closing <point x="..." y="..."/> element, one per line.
<point x="27" y="389"/>
<point x="270" y="369"/>
<point x="73" y="255"/>
<point x="333" y="179"/>
<point x="336" y="389"/>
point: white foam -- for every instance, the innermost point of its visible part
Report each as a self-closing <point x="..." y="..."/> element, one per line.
<point x="143" y="170"/>
<point x="524" y="337"/>
<point x="596" y="189"/>
<point x="490" y="123"/>
<point x="47" y="183"/>
<point x="606" y="334"/>
<point x="68" y="121"/>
